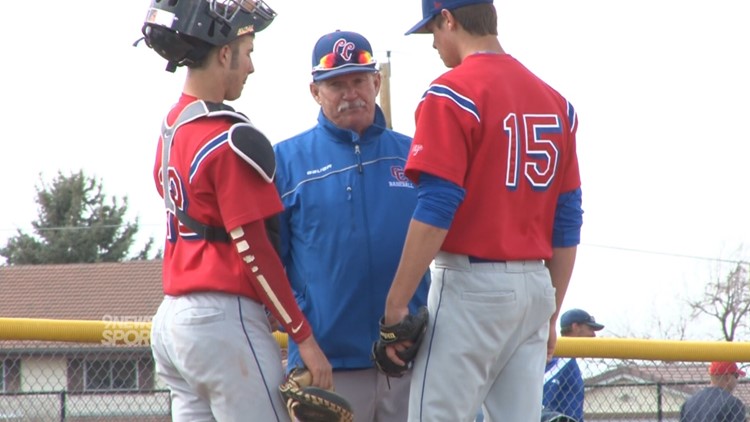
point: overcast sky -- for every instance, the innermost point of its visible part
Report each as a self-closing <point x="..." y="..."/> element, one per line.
<point x="661" y="90"/>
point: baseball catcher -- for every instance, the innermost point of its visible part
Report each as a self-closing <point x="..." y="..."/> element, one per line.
<point x="311" y="404"/>
<point x="412" y="329"/>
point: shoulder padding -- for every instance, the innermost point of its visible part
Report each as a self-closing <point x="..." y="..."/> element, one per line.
<point x="253" y="146"/>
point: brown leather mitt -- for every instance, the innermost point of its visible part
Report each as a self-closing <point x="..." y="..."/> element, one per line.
<point x="312" y="404"/>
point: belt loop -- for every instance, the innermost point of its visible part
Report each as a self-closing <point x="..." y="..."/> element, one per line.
<point x="452" y="261"/>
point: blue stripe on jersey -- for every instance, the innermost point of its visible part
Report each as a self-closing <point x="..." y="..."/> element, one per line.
<point x="460" y="100"/>
<point x="572" y="116"/>
<point x="205" y="151"/>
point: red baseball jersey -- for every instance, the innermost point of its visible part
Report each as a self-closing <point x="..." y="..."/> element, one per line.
<point x="492" y="127"/>
<point x="214" y="186"/>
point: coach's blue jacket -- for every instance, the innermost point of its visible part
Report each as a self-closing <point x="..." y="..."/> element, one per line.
<point x="347" y="207"/>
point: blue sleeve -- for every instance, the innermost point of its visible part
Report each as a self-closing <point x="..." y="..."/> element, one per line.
<point x="285" y="231"/>
<point x="568" y="220"/>
<point x="551" y="396"/>
<point x="563" y="391"/>
<point x="437" y="200"/>
<point x="576" y="391"/>
<point x="284" y="215"/>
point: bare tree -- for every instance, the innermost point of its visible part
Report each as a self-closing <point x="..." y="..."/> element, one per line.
<point x="659" y="326"/>
<point x="672" y="329"/>
<point x="727" y="299"/>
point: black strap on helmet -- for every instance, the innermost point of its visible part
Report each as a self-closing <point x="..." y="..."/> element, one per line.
<point x="190" y="113"/>
<point x="178" y="49"/>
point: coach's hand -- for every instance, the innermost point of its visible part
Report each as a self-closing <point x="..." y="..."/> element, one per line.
<point x="317" y="363"/>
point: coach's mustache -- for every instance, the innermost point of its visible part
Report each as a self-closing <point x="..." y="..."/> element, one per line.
<point x="348" y="105"/>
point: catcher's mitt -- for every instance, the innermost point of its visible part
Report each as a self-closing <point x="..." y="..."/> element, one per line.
<point x="312" y="404"/>
<point x="411" y="328"/>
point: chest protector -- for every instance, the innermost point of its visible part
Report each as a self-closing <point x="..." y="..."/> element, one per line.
<point x="244" y="139"/>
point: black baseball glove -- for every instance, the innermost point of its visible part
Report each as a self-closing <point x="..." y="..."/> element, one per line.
<point x="411" y="328"/>
<point x="312" y="404"/>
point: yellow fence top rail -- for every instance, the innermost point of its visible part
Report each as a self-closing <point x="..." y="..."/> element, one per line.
<point x="112" y="333"/>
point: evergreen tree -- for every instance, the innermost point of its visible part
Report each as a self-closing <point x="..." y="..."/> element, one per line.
<point x="76" y="224"/>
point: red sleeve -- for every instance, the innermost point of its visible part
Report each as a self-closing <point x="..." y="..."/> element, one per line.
<point x="267" y="276"/>
<point x="572" y="178"/>
<point x="241" y="194"/>
<point x="441" y="140"/>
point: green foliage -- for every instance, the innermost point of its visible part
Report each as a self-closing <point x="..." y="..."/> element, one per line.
<point x="76" y="225"/>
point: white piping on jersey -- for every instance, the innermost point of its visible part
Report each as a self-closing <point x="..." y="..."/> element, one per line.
<point x="453" y="96"/>
<point x="204" y="152"/>
<point x="323" y="176"/>
<point x="556" y="368"/>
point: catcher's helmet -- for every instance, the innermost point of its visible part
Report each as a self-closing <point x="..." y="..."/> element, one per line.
<point x="184" y="31"/>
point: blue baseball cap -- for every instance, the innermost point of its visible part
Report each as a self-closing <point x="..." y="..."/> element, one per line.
<point x="578" y="316"/>
<point x="340" y="53"/>
<point x="432" y="8"/>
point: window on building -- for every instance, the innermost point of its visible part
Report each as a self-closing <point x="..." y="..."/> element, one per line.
<point x="10" y="375"/>
<point x="105" y="372"/>
<point x="110" y="375"/>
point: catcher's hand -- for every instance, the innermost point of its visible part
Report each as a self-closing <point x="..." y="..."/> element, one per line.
<point x="411" y="328"/>
<point x="313" y="404"/>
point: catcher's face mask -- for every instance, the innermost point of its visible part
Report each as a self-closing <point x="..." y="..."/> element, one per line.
<point x="182" y="31"/>
<point x="227" y="10"/>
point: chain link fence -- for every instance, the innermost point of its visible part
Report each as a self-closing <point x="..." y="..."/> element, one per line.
<point x="61" y="381"/>
<point x="641" y="390"/>
<point x="50" y="382"/>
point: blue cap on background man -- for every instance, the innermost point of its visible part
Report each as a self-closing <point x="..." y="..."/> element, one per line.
<point x="340" y="53"/>
<point x="432" y="8"/>
<point x="578" y="316"/>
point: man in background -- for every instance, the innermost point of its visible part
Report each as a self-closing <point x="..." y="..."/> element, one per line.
<point x="563" y="382"/>
<point x="716" y="403"/>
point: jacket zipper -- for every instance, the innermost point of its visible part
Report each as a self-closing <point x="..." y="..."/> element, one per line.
<point x="359" y="157"/>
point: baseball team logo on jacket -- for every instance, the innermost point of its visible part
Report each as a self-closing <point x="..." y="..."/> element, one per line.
<point x="401" y="180"/>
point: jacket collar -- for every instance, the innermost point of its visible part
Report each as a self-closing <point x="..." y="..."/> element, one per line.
<point x="345" y="135"/>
